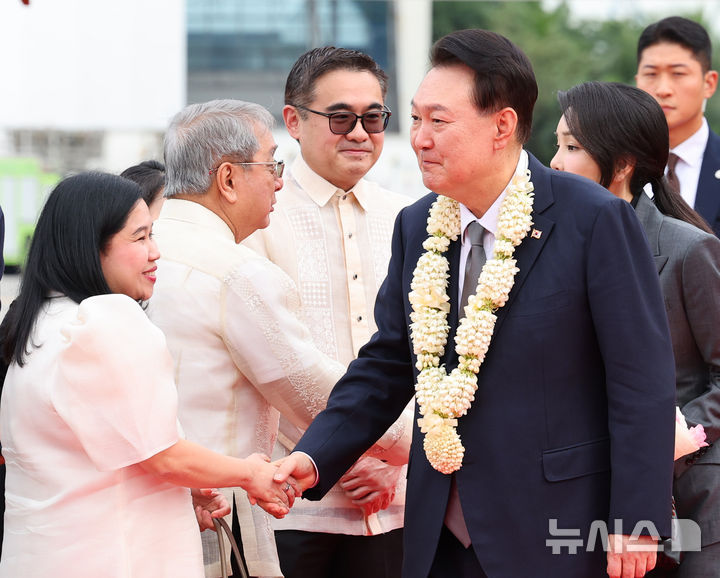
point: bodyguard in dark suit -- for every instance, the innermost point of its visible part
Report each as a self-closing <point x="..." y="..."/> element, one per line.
<point x="674" y="66"/>
<point x="572" y="423"/>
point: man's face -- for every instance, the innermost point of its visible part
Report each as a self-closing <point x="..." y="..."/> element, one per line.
<point x="674" y="77"/>
<point x="256" y="186"/>
<point x="340" y="159"/>
<point x="453" y="141"/>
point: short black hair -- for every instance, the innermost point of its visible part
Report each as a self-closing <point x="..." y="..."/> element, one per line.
<point x="504" y="76"/>
<point x="150" y="175"/>
<point x="678" y="30"/>
<point x="301" y="81"/>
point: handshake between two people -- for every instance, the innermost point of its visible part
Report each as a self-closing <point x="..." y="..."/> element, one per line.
<point x="370" y="485"/>
<point x="276" y="484"/>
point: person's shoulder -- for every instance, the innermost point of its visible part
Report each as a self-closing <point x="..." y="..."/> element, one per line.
<point x="414" y="216"/>
<point x="112" y="309"/>
<point x="420" y="207"/>
<point x="108" y="323"/>
<point x="712" y="148"/>
<point x="679" y="236"/>
<point x="684" y="230"/>
<point x="257" y="271"/>
<point x="567" y="190"/>
<point x="571" y="184"/>
<point x="210" y="250"/>
<point x="388" y="197"/>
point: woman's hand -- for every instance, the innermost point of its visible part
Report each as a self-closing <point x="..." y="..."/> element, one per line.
<point x="209" y="503"/>
<point x="276" y="498"/>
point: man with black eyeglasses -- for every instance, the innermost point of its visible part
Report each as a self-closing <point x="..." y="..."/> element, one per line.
<point x="331" y="231"/>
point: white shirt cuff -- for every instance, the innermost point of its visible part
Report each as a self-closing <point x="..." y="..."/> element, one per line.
<point x="317" y="475"/>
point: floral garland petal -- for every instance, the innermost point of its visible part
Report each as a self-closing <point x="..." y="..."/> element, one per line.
<point x="443" y="398"/>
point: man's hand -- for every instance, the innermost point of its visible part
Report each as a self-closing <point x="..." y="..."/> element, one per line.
<point x="370" y="484"/>
<point x="275" y="497"/>
<point x="297" y="466"/>
<point x="631" y="557"/>
<point x="209" y="503"/>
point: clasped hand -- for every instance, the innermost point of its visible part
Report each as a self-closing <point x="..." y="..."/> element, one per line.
<point x="275" y="496"/>
<point x="370" y="484"/>
<point x="291" y="475"/>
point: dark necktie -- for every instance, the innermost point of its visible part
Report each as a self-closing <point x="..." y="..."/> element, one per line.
<point x="672" y="178"/>
<point x="454" y="519"/>
<point x="474" y="263"/>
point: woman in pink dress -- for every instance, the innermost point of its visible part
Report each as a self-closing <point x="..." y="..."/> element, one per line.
<point x="97" y="467"/>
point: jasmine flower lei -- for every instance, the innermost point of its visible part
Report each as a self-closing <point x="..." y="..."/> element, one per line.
<point x="443" y="398"/>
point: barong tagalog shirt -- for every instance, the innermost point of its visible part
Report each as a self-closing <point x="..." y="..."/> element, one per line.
<point x="241" y="354"/>
<point x="335" y="245"/>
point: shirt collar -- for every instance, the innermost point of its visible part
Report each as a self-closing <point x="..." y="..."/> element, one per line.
<point x="192" y="212"/>
<point x="321" y="191"/>
<point x="489" y="220"/>
<point x="692" y="149"/>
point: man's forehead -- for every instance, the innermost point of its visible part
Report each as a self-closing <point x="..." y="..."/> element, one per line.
<point x="667" y="54"/>
<point x="346" y="94"/>
<point x="444" y="87"/>
<point x="265" y="138"/>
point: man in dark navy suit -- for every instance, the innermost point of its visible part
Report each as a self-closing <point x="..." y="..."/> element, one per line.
<point x="571" y="429"/>
<point x="674" y="66"/>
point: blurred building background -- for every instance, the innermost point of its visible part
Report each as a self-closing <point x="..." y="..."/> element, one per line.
<point x="91" y="84"/>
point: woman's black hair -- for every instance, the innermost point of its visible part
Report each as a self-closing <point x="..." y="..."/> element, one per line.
<point x="150" y="175"/>
<point x="78" y="220"/>
<point x="618" y="124"/>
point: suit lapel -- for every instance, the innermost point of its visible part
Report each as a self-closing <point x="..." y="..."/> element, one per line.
<point x="651" y="220"/>
<point x="526" y="254"/>
<point x="531" y="247"/>
<point x="707" y="201"/>
<point x="453" y="256"/>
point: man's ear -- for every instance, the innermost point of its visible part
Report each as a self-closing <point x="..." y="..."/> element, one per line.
<point x="710" y="80"/>
<point x="224" y="177"/>
<point x="506" y="121"/>
<point x="291" y="116"/>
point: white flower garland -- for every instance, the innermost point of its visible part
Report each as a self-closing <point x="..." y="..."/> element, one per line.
<point x="443" y="398"/>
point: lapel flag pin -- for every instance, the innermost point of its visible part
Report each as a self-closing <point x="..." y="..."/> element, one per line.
<point x="536" y="234"/>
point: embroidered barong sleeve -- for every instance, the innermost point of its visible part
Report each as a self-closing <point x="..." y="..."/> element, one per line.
<point x="275" y="352"/>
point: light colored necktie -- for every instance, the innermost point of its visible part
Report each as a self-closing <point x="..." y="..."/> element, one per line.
<point x="672" y="177"/>
<point x="454" y="519"/>
<point x="474" y="263"/>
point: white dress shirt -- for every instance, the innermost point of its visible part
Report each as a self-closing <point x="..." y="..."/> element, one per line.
<point x="336" y="247"/>
<point x="489" y="222"/>
<point x="690" y="153"/>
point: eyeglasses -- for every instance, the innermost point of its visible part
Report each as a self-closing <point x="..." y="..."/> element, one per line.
<point x="278" y="167"/>
<point x="373" y="121"/>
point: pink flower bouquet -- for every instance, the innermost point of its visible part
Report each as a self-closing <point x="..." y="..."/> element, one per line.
<point x="687" y="440"/>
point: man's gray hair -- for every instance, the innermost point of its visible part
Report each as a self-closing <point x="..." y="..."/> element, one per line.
<point x="202" y="135"/>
